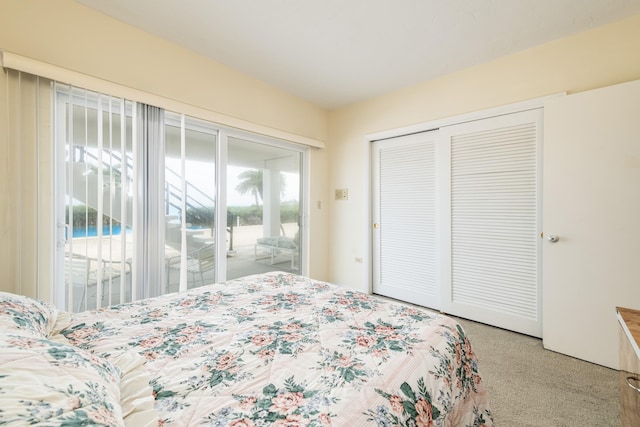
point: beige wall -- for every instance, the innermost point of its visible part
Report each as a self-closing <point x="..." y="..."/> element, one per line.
<point x="593" y="59"/>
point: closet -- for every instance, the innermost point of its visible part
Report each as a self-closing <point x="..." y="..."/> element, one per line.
<point x="456" y="219"/>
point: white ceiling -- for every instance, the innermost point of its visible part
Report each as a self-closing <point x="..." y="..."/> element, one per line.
<point x="336" y="52"/>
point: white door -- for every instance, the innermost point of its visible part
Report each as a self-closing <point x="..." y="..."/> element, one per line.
<point x="490" y="215"/>
<point x="592" y="202"/>
<point x="405" y="234"/>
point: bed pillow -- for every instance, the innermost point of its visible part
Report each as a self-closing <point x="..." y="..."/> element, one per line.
<point x="22" y="315"/>
<point x="43" y="381"/>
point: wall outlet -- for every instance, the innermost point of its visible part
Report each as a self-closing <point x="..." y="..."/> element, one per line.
<point x="358" y="260"/>
<point x="342" y="194"/>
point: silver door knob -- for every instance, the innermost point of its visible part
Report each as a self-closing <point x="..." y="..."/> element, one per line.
<point x="553" y="238"/>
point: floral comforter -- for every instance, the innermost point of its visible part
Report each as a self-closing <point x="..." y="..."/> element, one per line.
<point x="285" y="350"/>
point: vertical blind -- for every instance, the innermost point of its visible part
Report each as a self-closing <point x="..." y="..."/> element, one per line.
<point x="95" y="160"/>
<point x="150" y="197"/>
<point x="115" y="203"/>
<point x="115" y="198"/>
<point x="25" y="183"/>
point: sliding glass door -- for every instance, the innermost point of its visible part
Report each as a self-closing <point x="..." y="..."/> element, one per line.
<point x="143" y="206"/>
<point x="190" y="202"/>
<point x="264" y="207"/>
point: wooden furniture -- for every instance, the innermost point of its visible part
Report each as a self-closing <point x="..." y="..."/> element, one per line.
<point x="629" y="366"/>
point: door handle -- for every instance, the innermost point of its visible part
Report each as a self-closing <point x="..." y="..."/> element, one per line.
<point x="553" y="238"/>
<point x="61" y="243"/>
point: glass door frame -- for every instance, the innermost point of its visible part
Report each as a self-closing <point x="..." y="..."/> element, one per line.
<point x="221" y="182"/>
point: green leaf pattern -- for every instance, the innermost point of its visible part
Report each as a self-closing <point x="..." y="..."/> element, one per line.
<point x="291" y="405"/>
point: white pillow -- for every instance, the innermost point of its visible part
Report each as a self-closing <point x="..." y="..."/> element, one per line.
<point x="43" y="381"/>
<point x="22" y="315"/>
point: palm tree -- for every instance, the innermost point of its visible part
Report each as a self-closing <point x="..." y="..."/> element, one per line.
<point x="251" y="182"/>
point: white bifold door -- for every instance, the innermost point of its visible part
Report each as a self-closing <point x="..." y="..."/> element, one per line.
<point x="466" y="199"/>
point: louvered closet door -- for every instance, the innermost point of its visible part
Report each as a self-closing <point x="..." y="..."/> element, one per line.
<point x="491" y="253"/>
<point x="405" y="248"/>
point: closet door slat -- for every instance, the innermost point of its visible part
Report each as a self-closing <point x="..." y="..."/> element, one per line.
<point x="492" y="257"/>
<point x="406" y="234"/>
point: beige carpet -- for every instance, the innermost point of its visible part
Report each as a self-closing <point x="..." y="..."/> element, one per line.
<point x="531" y="386"/>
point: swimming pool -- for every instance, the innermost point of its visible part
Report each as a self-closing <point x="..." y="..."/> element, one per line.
<point x="92" y="231"/>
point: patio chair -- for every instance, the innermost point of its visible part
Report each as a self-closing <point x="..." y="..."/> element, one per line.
<point x="199" y="261"/>
<point x="83" y="271"/>
<point x="275" y="245"/>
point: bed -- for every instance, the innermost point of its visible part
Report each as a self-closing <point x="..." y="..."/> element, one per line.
<point x="273" y="349"/>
